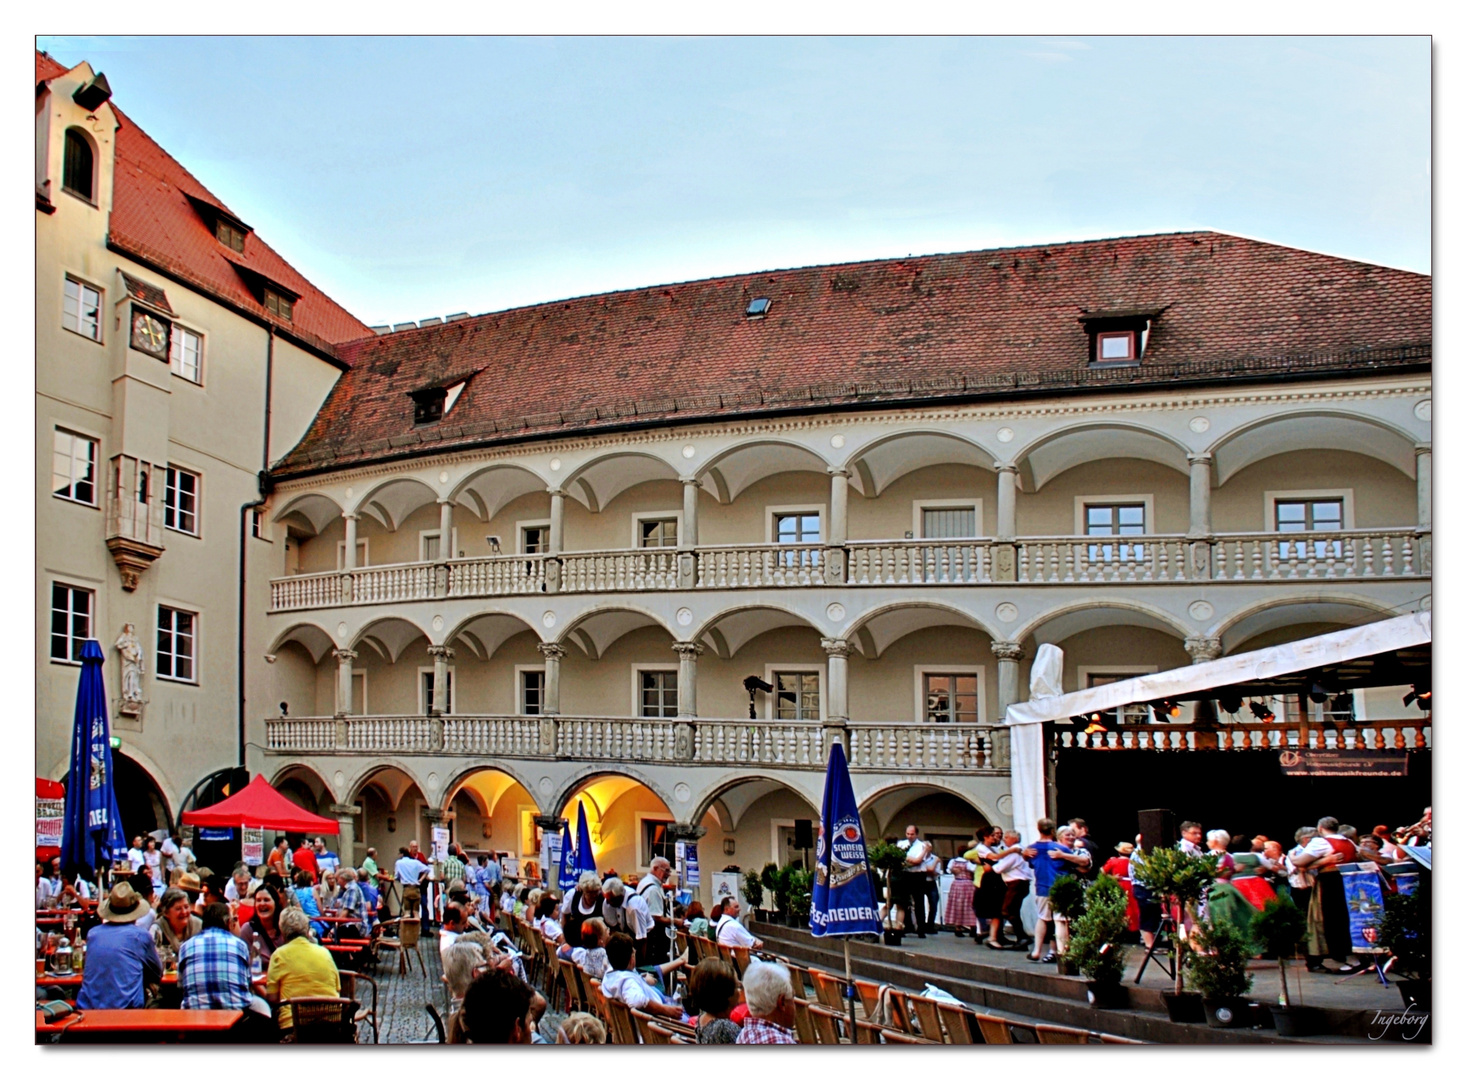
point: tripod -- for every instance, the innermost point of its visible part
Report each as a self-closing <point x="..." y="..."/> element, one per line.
<point x="1160" y="943"/>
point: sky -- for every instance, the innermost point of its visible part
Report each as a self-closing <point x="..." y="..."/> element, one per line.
<point x="414" y="177"/>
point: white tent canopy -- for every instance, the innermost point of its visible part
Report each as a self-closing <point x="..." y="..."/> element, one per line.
<point x="1026" y="757"/>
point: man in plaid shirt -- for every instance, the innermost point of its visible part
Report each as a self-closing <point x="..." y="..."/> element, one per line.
<point x="768" y="993"/>
<point x="214" y="965"/>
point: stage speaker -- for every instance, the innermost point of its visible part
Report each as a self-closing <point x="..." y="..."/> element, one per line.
<point x="804" y="833"/>
<point x="1158" y="829"/>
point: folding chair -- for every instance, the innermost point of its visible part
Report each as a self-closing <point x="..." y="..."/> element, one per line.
<point x="869" y="994"/>
<point x="960" y="1023"/>
<point x="923" y="1010"/>
<point x="1054" y="1035"/>
<point x="829" y="989"/>
<point x="351" y="982"/>
<point x="408" y="933"/>
<point x="736" y="956"/>
<point x="575" y="988"/>
<point x="322" y="1019"/>
<point x="901" y="1017"/>
<point x="827" y="1025"/>
<point x="804" y="1026"/>
<point x="797" y="979"/>
<point x="644" y="1022"/>
<point x="995" y="1029"/>
<point x="868" y="1033"/>
<point x="621" y="1027"/>
<point x="1118" y="1040"/>
<point x="892" y="1035"/>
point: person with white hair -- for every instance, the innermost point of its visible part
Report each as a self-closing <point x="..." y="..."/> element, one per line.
<point x="1217" y="844"/>
<point x="580" y="905"/>
<point x="660" y="929"/>
<point x="769" y="995"/>
<point x="461" y="963"/>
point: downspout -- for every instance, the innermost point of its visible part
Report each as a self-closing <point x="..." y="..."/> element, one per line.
<point x="263" y="489"/>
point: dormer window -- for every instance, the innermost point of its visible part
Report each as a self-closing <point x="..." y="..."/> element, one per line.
<point x="229" y="235"/>
<point x="432" y="403"/>
<point x="278" y="303"/>
<point x="1118" y="337"/>
<point x="1113" y="346"/>
<point x="758" y="308"/>
<point x="78" y="166"/>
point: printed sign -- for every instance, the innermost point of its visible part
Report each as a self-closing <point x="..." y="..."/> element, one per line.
<point x="1366" y="903"/>
<point x="691" y="876"/>
<point x="1351" y="763"/>
<point x="215" y="835"/>
<point x="49" y="813"/>
<point x="726" y="886"/>
<point x="252" y="850"/>
<point x="440" y="843"/>
<point x="550" y="848"/>
<point x="509" y="865"/>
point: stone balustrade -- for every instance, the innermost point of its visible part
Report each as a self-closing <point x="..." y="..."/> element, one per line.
<point x="1346" y="735"/>
<point x="1369" y="554"/>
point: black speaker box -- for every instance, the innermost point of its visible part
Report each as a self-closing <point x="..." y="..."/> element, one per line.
<point x="1158" y="828"/>
<point x="804" y="833"/>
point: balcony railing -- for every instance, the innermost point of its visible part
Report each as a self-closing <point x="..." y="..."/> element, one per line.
<point x="1364" y="555"/>
<point x="1348" y="735"/>
<point x="895" y="747"/>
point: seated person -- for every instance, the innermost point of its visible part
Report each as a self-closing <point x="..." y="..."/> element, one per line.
<point x="496" y="1010"/>
<point x="770" y="997"/>
<point x="462" y="963"/>
<point x="731" y="931"/>
<point x="625" y="984"/>
<point x="305" y="899"/>
<point x="590" y="955"/>
<point x="121" y="957"/>
<point x="581" y="1029"/>
<point x="176" y="921"/>
<point x="214" y="966"/>
<point x="300" y="967"/>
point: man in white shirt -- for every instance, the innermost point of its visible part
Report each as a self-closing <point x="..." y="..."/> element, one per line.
<point x="731" y="932"/>
<point x="626" y="985"/>
<point x="1191" y="841"/>
<point x="638" y="922"/>
<point x="1016" y="873"/>
<point x="659" y="942"/>
<point x="409" y="873"/>
<point x="238" y="886"/>
<point x="135" y="854"/>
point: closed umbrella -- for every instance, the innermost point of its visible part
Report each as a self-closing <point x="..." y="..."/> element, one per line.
<point x="843" y="901"/>
<point x="568" y="871"/>
<point x="585" y="854"/>
<point x="91" y="828"/>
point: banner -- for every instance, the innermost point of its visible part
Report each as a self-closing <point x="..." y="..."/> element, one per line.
<point x="1350" y="763"/>
<point x="1366" y="903"/>
<point x="215" y="835"/>
<point x="440" y="842"/>
<point x="844" y="897"/>
<point x="252" y="850"/>
<point x="691" y="859"/>
<point x="49" y="813"/>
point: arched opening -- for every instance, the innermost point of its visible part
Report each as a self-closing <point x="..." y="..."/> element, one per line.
<point x="1282" y="621"/>
<point x="392" y="814"/>
<point x="1290" y="433"/>
<point x="946" y="818"/>
<point x="780" y="647"/>
<point x="79" y="165"/>
<point x="597" y="483"/>
<point x="140" y="799"/>
<point x="731" y="472"/>
<point x="490" y="809"/>
<point x="304" y="786"/>
<point x="879" y="464"/>
<point x="627" y="817"/>
<point x="754" y="820"/>
<point x="488" y="490"/>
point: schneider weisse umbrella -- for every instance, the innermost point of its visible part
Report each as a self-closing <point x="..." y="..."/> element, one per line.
<point x="91" y="830"/>
<point x="585" y="854"/>
<point x="568" y="871"/>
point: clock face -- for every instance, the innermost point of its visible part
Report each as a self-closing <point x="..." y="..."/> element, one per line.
<point x="150" y="334"/>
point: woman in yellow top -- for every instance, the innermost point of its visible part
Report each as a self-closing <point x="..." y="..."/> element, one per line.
<point x="299" y="968"/>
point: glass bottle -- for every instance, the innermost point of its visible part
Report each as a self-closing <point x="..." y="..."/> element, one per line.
<point x="257" y="966"/>
<point x="61" y="958"/>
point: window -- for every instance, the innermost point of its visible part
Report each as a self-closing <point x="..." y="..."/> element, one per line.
<point x="428" y="405"/>
<point x="1136" y="713"/>
<point x="796" y="695"/>
<point x="430" y="547"/>
<point x="81" y="308"/>
<point x="1309" y="515"/>
<point x="186" y="354"/>
<point x="425" y="678"/>
<point x="257" y="518"/>
<point x="658" y="693"/>
<point x="1116" y="346"/>
<point x="176" y="632"/>
<point x="532" y="691"/>
<point x="181" y="501"/>
<point x="362" y="551"/>
<point x="949" y="522"/>
<point x="74" y="467"/>
<point x="1115" y="519"/>
<point x="229" y="235"/>
<point x="534" y="539"/>
<point x="276" y="304"/>
<point x="71" y="621"/>
<point x="78" y="166"/>
<point x="657" y="532"/>
<point x="950" y="699"/>
<point x="758" y="307"/>
<point x="656" y="840"/>
<point x="797" y="528"/>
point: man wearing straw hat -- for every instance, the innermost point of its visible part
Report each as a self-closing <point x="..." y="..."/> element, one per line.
<point x="120" y="954"/>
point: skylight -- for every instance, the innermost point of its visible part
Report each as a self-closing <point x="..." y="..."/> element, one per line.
<point x="758" y="307"/>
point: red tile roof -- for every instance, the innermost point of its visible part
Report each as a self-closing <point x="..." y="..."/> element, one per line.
<point x="154" y="222"/>
<point x="965" y="326"/>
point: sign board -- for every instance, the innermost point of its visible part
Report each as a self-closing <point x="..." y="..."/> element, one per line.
<point x="692" y="879"/>
<point x="509" y="865"/>
<point x="440" y="842"/>
<point x="1366" y="904"/>
<point x="550" y="845"/>
<point x="1348" y="763"/>
<point x="49" y="813"/>
<point x="726" y="885"/>
<point x="215" y="835"/>
<point x="252" y="850"/>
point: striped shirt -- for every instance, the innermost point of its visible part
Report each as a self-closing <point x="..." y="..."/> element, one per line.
<point x="214" y="971"/>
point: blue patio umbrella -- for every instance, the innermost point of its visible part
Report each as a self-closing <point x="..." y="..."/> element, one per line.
<point x="91" y="830"/>
<point x="843" y="900"/>
<point x="568" y="871"/>
<point x="585" y="853"/>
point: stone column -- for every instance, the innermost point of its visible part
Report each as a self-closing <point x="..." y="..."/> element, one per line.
<point x="837" y="711"/>
<point x="349" y="554"/>
<point x="1200" y="525"/>
<point x="441" y="655"/>
<point x="1423" y="486"/>
<point x="1009" y="653"/>
<point x="687" y="677"/>
<point x="557" y="520"/>
<point x="345" y="815"/>
<point x="445" y="529"/>
<point x="552" y="652"/>
<point x="835" y="535"/>
<point x="1005" y="561"/>
<point x="344" y="657"/>
<point x="687" y="536"/>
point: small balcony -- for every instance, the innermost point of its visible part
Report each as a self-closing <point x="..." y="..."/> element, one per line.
<point x="1361" y="555"/>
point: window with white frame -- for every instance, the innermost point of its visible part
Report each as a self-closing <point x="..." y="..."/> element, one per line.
<point x="657" y="693"/>
<point x="532" y="691"/>
<point x="177" y="644"/>
<point x="81" y="309"/>
<point x="950" y="697"/>
<point x="535" y="538"/>
<point x="362" y="553"/>
<point x="181" y="500"/>
<point x="657" y="532"/>
<point x="71" y="621"/>
<point x="186" y="354"/>
<point x="940" y="522"/>
<point x="74" y="467"/>
<point x="1115" y="519"/>
<point x="1309" y="516"/>
<point x="796" y="695"/>
<point x="425" y="687"/>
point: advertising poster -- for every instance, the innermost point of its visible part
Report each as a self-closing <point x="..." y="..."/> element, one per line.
<point x="48" y="822"/>
<point x="691" y="878"/>
<point x="252" y="850"/>
<point x="440" y="842"/>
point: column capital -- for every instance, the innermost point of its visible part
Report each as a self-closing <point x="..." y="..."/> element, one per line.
<point x="444" y="651"/>
<point x="432" y="813"/>
<point x="1006" y="467"/>
<point x="698" y="480"/>
<point x="344" y="656"/>
<point x="1422" y="448"/>
<point x="551" y="650"/>
<point x="680" y="831"/>
<point x="444" y="500"/>
<point x="688" y="650"/>
<point x="836" y="647"/>
<point x="550" y="823"/>
<point x="1203" y="649"/>
<point x="554" y="491"/>
<point x="344" y="810"/>
<point x="350" y="515"/>
<point x="1199" y="459"/>
<point x="1007" y="650"/>
<point x="836" y="470"/>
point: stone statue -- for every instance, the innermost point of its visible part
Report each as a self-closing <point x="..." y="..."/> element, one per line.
<point x="132" y="669"/>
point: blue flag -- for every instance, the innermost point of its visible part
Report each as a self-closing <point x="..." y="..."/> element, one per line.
<point x="91" y="828"/>
<point x="568" y="871"/>
<point x="843" y="900"/>
<point x="585" y="853"/>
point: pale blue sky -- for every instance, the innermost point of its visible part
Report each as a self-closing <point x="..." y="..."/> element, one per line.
<point x="421" y="176"/>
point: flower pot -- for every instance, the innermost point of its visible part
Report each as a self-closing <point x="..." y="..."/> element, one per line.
<point x="1227" y="1012"/>
<point x="891" y="937"/>
<point x="760" y="915"/>
<point x="1110" y="994"/>
<point x="1415" y="993"/>
<point x="1293" y="1021"/>
<point x="1063" y="965"/>
<point x="1184" y="1008"/>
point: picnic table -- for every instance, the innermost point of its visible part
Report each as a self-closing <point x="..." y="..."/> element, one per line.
<point x="140" y="1025"/>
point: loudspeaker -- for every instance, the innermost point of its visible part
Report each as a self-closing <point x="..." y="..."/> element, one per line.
<point x="804" y="833"/>
<point x="1158" y="829"/>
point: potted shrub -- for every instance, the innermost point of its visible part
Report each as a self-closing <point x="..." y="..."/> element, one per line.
<point x="1219" y="970"/>
<point x="1278" y="929"/>
<point x="802" y="883"/>
<point x="1405" y="929"/>
<point x="1067" y="902"/>
<point x="754" y="893"/>
<point x="1178" y="880"/>
<point x="771" y="877"/>
<point x="888" y="860"/>
<point x="1095" y="943"/>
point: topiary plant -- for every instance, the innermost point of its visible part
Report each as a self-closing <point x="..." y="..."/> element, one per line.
<point x="1067" y="897"/>
<point x="888" y="859"/>
<point x="1219" y="967"/>
<point x="1278" y="929"/>
<point x="1172" y="876"/>
<point x="1095" y="935"/>
<point x="753" y="888"/>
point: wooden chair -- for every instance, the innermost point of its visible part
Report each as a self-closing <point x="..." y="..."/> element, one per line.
<point x="659" y="1035"/>
<point x="575" y="988"/>
<point x="901" y="1013"/>
<point x="322" y="1019"/>
<point x="869" y="994"/>
<point x="868" y="1033"/>
<point x="961" y="1025"/>
<point x="1055" y="1035"/>
<point x="995" y="1029"/>
<point x="798" y="979"/>
<point x="827" y="1024"/>
<point x="892" y="1035"/>
<point x="804" y="1026"/>
<point x="923" y="1010"/>
<point x="643" y="1022"/>
<point x="1117" y="1040"/>
<point x="623" y="1030"/>
<point x="408" y="933"/>
<point x="736" y="956"/>
<point x="351" y="982"/>
<point x="829" y="989"/>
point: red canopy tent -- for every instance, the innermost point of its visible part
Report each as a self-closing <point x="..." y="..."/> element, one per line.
<point x="260" y="806"/>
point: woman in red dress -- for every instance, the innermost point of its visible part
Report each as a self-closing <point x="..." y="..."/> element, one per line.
<point x="1118" y="866"/>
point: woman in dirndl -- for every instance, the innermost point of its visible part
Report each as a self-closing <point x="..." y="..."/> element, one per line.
<point x="959" y="911"/>
<point x="988" y="899"/>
